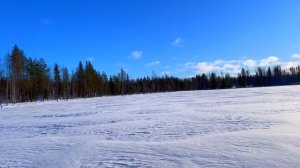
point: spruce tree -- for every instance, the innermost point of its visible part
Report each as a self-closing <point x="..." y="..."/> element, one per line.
<point x="57" y="81"/>
<point x="16" y="72"/>
<point x="65" y="83"/>
<point x="80" y="77"/>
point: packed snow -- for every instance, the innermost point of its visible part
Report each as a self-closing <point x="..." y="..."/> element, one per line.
<point x="253" y="127"/>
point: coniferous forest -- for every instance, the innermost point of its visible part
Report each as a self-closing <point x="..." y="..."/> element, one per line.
<point x="26" y="79"/>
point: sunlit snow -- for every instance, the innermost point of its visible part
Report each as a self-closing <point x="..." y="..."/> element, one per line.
<point x="254" y="127"/>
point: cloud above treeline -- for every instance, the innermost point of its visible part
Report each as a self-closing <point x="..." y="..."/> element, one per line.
<point x="233" y="67"/>
<point x="269" y="61"/>
<point x="295" y="56"/>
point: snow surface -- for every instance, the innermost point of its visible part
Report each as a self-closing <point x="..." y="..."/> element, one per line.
<point x="255" y="127"/>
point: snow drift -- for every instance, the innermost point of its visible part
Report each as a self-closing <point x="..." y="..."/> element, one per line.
<point x="255" y="127"/>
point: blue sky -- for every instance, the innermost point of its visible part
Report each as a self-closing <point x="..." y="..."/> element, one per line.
<point x="175" y="37"/>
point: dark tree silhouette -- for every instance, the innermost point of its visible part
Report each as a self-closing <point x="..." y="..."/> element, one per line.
<point x="29" y="79"/>
<point x="57" y="82"/>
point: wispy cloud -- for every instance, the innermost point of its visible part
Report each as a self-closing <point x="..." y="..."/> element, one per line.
<point x="221" y="66"/>
<point x="269" y="61"/>
<point x="176" y="42"/>
<point x="206" y="67"/>
<point x="137" y="54"/>
<point x="193" y="68"/>
<point x="295" y="56"/>
<point x="233" y="67"/>
<point x="287" y="65"/>
<point x="249" y="63"/>
<point x="153" y="63"/>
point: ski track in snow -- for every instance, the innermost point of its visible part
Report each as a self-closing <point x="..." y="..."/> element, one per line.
<point x="253" y="127"/>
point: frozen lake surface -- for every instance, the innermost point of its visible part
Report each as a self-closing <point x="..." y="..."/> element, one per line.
<point x="253" y="127"/>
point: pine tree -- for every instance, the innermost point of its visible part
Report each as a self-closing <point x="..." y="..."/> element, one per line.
<point x="269" y="76"/>
<point x="105" y="86"/>
<point x="278" y="75"/>
<point x="213" y="81"/>
<point x="65" y="83"/>
<point x="122" y="76"/>
<point x="242" y="78"/>
<point x="57" y="81"/>
<point x="259" y="77"/>
<point x="2" y="84"/>
<point x="80" y="77"/>
<point x="91" y="79"/>
<point x="204" y="82"/>
<point x="16" y="72"/>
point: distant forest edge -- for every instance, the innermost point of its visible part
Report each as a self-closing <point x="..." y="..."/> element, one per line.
<point x="27" y="79"/>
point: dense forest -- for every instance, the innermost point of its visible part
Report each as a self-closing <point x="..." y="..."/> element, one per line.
<point x="26" y="79"/>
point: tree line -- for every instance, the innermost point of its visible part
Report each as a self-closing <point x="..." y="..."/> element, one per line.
<point x="27" y="79"/>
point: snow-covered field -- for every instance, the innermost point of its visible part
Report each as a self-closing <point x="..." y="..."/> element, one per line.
<point x="255" y="127"/>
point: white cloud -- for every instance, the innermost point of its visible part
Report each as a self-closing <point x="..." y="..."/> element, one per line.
<point x="221" y="62"/>
<point x="136" y="54"/>
<point x="269" y="61"/>
<point x="176" y="42"/>
<point x="295" y="56"/>
<point x="153" y="63"/>
<point x="224" y="67"/>
<point x="233" y="67"/>
<point x="218" y="62"/>
<point x="205" y="67"/>
<point x="249" y="63"/>
<point x="287" y="65"/>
